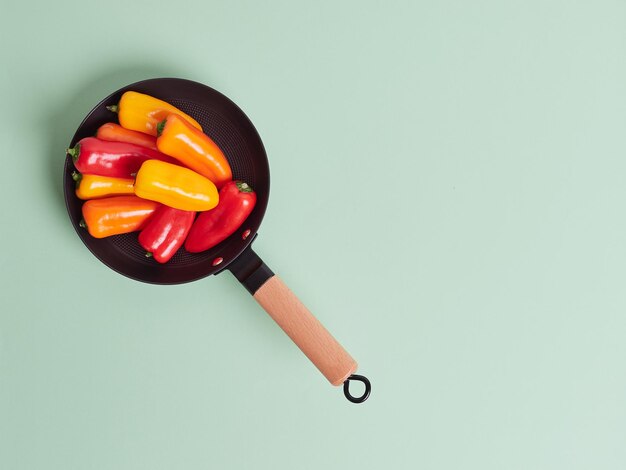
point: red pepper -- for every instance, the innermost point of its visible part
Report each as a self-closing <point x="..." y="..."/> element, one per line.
<point x="236" y="202"/>
<point x="93" y="156"/>
<point x="165" y="232"/>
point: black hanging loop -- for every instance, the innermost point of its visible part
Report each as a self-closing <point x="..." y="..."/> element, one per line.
<point x="366" y="394"/>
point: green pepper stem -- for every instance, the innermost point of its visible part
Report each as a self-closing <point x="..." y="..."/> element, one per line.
<point x="244" y="187"/>
<point x="148" y="254"/>
<point x="82" y="223"/>
<point x="76" y="176"/>
<point x="114" y="108"/>
<point x="160" y="127"/>
<point x="74" y="152"/>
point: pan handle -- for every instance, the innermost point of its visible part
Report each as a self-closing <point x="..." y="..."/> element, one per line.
<point x="298" y="322"/>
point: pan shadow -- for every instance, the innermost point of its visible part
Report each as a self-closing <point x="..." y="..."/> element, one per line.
<point x="61" y="122"/>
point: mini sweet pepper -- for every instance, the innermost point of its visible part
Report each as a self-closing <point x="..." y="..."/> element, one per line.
<point x="237" y="199"/>
<point x="93" y="156"/>
<point x="116" y="215"/>
<point x="140" y="112"/>
<point x="165" y="232"/>
<point x="175" y="186"/>
<point x="95" y="186"/>
<point x="178" y="138"/>
<point x="116" y="133"/>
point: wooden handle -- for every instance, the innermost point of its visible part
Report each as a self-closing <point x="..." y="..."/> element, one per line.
<point x="305" y="330"/>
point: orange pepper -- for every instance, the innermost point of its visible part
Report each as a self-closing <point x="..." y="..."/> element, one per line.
<point x="179" y="139"/>
<point x="95" y="186"/>
<point x="139" y="112"/>
<point x="116" y="133"/>
<point x="116" y="215"/>
<point x="175" y="186"/>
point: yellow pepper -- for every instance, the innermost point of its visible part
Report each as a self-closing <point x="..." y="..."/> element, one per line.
<point x="95" y="186"/>
<point x="175" y="186"/>
<point x="139" y="112"/>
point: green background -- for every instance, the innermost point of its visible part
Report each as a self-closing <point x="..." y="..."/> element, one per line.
<point x="448" y="187"/>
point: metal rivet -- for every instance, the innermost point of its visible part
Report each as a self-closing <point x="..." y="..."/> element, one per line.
<point x="245" y="234"/>
<point x="217" y="261"/>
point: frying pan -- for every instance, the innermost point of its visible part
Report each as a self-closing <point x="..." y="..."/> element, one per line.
<point x="234" y="133"/>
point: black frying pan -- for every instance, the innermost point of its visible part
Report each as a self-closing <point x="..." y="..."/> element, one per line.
<point x="233" y="132"/>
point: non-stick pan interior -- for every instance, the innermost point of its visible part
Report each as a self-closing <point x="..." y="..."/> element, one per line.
<point x="233" y="132"/>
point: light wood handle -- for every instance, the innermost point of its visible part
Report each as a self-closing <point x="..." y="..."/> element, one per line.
<point x="305" y="330"/>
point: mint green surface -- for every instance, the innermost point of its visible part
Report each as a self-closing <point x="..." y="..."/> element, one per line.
<point x="448" y="196"/>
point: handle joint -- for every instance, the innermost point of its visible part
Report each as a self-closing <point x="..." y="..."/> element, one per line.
<point x="250" y="270"/>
